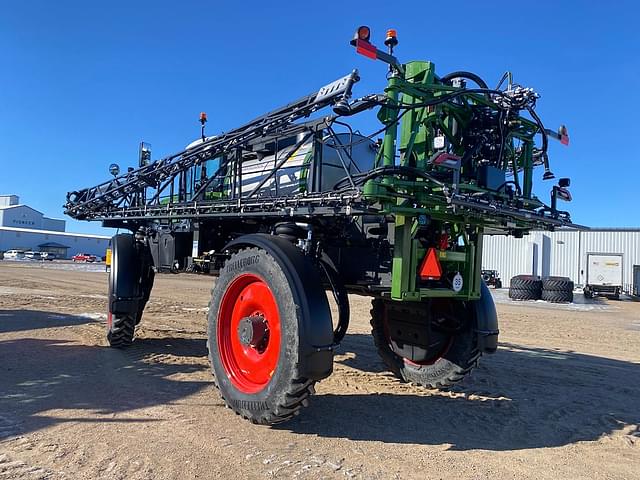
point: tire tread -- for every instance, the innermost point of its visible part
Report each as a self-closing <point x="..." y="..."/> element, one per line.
<point x="557" y="296"/>
<point x="122" y="331"/>
<point x="524" y="294"/>
<point x="557" y="283"/>
<point x="526" y="282"/>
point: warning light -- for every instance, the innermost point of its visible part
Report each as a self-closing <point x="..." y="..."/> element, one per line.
<point x="392" y="38"/>
<point x="443" y="242"/>
<point x="430" y="268"/>
<point x="203" y="120"/>
<point x="363" y="34"/>
<point x="364" y="47"/>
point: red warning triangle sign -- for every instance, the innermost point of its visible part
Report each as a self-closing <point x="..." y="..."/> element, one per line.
<point x="430" y="268"/>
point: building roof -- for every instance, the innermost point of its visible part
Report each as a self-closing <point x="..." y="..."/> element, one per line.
<point x="7" y="207"/>
<point x="51" y="232"/>
<point x="21" y="205"/>
<point x="601" y="229"/>
<point x="490" y="231"/>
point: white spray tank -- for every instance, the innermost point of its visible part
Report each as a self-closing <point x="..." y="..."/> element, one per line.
<point x="356" y="151"/>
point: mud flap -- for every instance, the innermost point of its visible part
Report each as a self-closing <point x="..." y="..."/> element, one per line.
<point x="486" y="321"/>
<point x="126" y="292"/>
<point x="316" y="338"/>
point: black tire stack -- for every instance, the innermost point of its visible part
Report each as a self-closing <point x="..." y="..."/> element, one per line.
<point x="525" y="287"/>
<point x="557" y="290"/>
<point x="549" y="289"/>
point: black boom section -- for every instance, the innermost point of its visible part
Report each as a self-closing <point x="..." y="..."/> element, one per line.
<point x="127" y="190"/>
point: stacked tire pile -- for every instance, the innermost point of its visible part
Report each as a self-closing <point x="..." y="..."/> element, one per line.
<point x="550" y="289"/>
<point x="525" y="287"/>
<point x="557" y="290"/>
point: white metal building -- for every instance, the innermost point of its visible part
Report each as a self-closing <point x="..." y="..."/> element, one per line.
<point x="562" y="253"/>
<point x="15" y="214"/>
<point x="24" y="228"/>
<point x="56" y="242"/>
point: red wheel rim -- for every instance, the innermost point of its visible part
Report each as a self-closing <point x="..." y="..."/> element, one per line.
<point x="249" y="367"/>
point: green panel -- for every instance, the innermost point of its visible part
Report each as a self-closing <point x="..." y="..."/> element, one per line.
<point x="404" y="267"/>
<point x="414" y="135"/>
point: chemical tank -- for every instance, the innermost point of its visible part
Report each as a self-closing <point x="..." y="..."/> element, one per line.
<point x="356" y="151"/>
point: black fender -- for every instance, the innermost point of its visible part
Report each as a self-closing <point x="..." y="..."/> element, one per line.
<point x="486" y="321"/>
<point x="315" y="324"/>
<point x="131" y="277"/>
<point x="340" y="295"/>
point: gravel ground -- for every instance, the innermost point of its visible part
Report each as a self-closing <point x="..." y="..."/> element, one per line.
<point x="560" y="398"/>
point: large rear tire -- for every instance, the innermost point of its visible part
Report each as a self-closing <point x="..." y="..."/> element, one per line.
<point x="526" y="282"/>
<point x="453" y="361"/>
<point x="254" y="338"/>
<point x="525" y="287"/>
<point x="524" y="294"/>
<point x="557" y="296"/>
<point x="557" y="283"/>
<point x="557" y="289"/>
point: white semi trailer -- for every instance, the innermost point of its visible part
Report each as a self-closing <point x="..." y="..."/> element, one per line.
<point x="604" y="275"/>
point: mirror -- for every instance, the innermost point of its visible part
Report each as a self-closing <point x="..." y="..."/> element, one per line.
<point x="144" y="154"/>
<point x="563" y="194"/>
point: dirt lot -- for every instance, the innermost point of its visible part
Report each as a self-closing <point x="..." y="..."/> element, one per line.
<point x="560" y="399"/>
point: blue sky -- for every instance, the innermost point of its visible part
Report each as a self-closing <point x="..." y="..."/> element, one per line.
<point x="82" y="83"/>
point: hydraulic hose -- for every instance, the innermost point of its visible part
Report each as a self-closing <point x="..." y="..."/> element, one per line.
<point x="468" y="75"/>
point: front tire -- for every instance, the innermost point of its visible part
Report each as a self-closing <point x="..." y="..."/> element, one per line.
<point x="449" y="367"/>
<point x="254" y="339"/>
<point x="120" y="330"/>
<point x="131" y="277"/>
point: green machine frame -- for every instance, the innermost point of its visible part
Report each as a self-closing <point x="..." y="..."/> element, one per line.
<point x="414" y="202"/>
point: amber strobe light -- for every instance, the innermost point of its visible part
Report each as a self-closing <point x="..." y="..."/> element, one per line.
<point x="203" y="120"/>
<point x="392" y="38"/>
